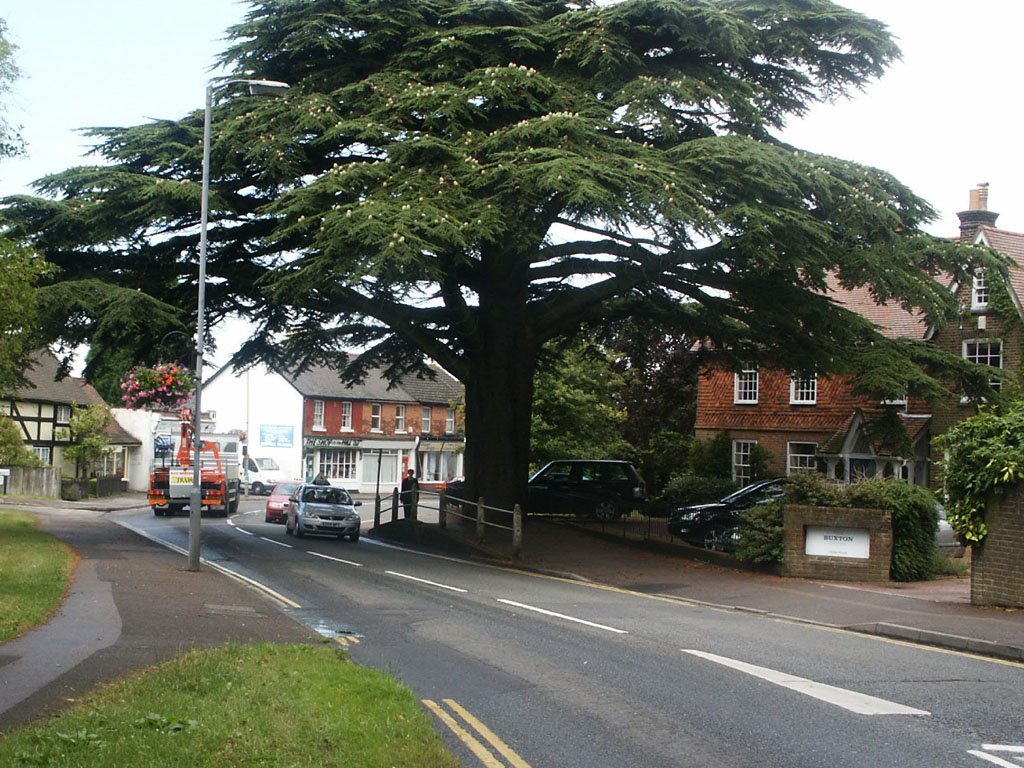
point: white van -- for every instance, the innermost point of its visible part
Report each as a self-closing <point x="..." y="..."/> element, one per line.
<point x="261" y="475"/>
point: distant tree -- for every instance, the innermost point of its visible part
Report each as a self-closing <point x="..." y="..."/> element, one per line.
<point x="20" y="270"/>
<point x="13" y="452"/>
<point x="87" y="432"/>
<point x="575" y="413"/>
<point x="11" y="142"/>
<point x="465" y="181"/>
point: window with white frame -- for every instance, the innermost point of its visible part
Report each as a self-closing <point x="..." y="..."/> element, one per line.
<point x="63" y="414"/>
<point x="318" y="415"/>
<point x="745" y="386"/>
<point x="979" y="291"/>
<point x="399" y="418"/>
<point x="742" y="456"/>
<point x="375" y="420"/>
<point x="985" y="352"/>
<point x="43" y="453"/>
<point x="803" y="390"/>
<point x="802" y="457"/>
<point x="346" y="416"/>
<point x="427" y="413"/>
<point x="449" y="422"/>
<point x="338" y="464"/>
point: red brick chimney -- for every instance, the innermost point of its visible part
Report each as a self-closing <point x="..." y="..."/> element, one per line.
<point x="977" y="215"/>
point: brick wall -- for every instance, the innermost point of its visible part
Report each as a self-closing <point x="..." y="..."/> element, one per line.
<point x="997" y="566"/>
<point x="878" y="523"/>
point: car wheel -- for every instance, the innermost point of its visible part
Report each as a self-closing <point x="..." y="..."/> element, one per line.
<point x="354" y="537"/>
<point x="714" y="538"/>
<point x="257" y="489"/>
<point x="605" y="511"/>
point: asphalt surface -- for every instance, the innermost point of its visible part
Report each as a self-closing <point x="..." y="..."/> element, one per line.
<point x="133" y="603"/>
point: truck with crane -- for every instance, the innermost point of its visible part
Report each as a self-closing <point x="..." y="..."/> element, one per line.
<point x="172" y="475"/>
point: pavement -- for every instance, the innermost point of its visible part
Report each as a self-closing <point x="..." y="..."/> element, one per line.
<point x="132" y="603"/>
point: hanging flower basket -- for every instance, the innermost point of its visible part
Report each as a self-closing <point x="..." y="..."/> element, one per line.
<point x="165" y="386"/>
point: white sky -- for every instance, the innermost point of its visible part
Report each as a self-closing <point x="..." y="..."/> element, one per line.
<point x="944" y="119"/>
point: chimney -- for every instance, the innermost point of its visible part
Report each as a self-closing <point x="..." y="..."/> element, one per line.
<point x="977" y="215"/>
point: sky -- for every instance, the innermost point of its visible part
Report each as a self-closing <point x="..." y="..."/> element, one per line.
<point x="945" y="118"/>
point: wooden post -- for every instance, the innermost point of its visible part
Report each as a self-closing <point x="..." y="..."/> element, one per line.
<point x="517" y="532"/>
<point x="480" y="519"/>
<point x="442" y="515"/>
<point x="394" y="505"/>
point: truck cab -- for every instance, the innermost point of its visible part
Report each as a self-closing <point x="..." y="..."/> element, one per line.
<point x="261" y="474"/>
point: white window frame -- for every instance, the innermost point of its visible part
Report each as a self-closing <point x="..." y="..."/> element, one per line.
<point x="449" y="422"/>
<point x="803" y="390"/>
<point x="425" y="425"/>
<point x="801" y="462"/>
<point x="44" y="453"/>
<point x="399" y="418"/>
<point x="338" y="463"/>
<point x="318" y="416"/>
<point x="984" y="359"/>
<point x="376" y="417"/>
<point x="346" y="416"/>
<point x="745" y="387"/>
<point x="62" y="413"/>
<point x="979" y="291"/>
<point x="742" y="452"/>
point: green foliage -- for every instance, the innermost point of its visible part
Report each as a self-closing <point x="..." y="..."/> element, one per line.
<point x="89" y="441"/>
<point x="712" y="458"/>
<point x="684" y="488"/>
<point x="762" y="540"/>
<point x="13" y="452"/>
<point x="20" y="270"/>
<point x="11" y="143"/>
<point x="984" y="455"/>
<point x="575" y="414"/>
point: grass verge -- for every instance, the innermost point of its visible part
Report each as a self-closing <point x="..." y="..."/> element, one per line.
<point x="34" y="572"/>
<point x="261" y="705"/>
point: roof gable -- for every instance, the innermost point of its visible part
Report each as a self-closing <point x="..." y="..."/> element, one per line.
<point x="42" y="384"/>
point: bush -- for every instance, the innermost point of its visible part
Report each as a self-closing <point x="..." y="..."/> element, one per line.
<point x="684" y="488"/>
<point x="762" y="540"/>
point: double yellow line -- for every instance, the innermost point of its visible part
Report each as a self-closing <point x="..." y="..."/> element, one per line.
<point x="482" y="751"/>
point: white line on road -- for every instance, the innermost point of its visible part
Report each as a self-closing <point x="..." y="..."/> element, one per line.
<point x="851" y="700"/>
<point x="275" y="541"/>
<point x="335" y="559"/>
<point x="424" y="581"/>
<point x="1003" y="748"/>
<point x="993" y="759"/>
<point x="562" y="616"/>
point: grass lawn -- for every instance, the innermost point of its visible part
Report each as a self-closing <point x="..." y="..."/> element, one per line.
<point x="34" y="572"/>
<point x="278" y="706"/>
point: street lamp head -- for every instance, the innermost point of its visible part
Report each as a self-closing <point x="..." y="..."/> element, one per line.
<point x="266" y="87"/>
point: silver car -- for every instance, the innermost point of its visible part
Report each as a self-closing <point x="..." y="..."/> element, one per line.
<point x="322" y="509"/>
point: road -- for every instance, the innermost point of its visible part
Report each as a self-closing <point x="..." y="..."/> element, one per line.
<point x="531" y="671"/>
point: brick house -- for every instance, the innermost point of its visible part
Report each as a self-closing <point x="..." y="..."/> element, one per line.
<point x="361" y="436"/>
<point x="42" y="410"/>
<point x="806" y="423"/>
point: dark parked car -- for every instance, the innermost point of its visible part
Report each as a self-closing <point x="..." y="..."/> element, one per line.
<point x="584" y="487"/>
<point x="719" y="525"/>
<point x="322" y="509"/>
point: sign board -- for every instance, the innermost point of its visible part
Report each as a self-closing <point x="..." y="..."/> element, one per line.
<point x="331" y="442"/>
<point x="837" y="542"/>
<point x="277" y="435"/>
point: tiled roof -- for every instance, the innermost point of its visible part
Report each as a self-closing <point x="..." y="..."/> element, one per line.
<point x="1010" y="244"/>
<point x="324" y="382"/>
<point x="892" y="320"/>
<point x="43" y="385"/>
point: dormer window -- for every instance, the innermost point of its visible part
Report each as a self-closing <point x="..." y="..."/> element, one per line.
<point x="745" y="387"/>
<point x="979" y="291"/>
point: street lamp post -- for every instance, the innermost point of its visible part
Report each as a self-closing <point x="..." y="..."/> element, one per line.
<point x="256" y="88"/>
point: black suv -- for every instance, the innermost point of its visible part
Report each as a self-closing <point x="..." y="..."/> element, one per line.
<point x="584" y="487"/>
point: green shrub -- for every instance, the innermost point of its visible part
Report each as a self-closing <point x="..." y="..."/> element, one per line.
<point x="762" y="540"/>
<point x="685" y="488"/>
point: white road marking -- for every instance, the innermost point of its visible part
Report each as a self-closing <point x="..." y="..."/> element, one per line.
<point x="275" y="541"/>
<point x="335" y="559"/>
<point x="851" y="700"/>
<point x="1003" y="748"/>
<point x="562" y="616"/>
<point x="993" y="759"/>
<point x="424" y="581"/>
